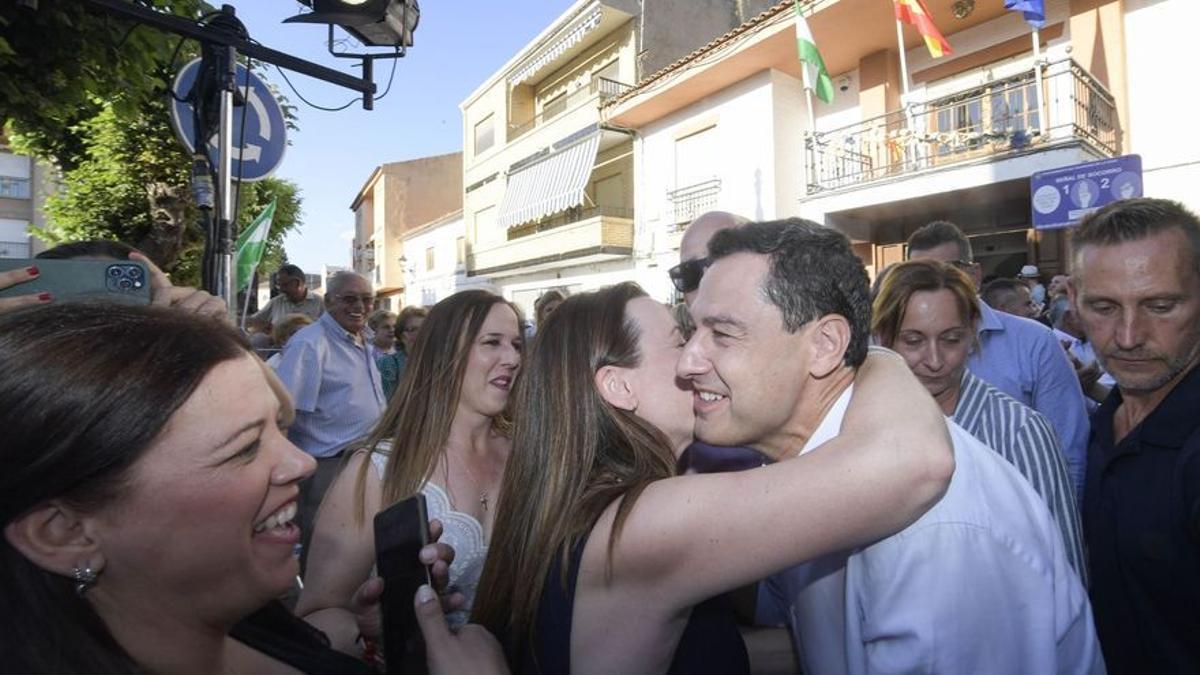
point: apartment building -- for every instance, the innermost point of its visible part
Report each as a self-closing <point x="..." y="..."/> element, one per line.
<point x="397" y="197"/>
<point x="437" y="261"/>
<point x="24" y="185"/>
<point x="549" y="188"/>
<point x="728" y="126"/>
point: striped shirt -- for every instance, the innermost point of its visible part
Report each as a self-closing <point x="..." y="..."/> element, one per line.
<point x="1024" y="437"/>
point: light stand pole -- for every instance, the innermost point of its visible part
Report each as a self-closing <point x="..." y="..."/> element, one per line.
<point x="223" y="38"/>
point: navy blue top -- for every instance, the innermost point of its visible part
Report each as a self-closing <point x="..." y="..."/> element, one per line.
<point x="1141" y="518"/>
<point x="711" y="642"/>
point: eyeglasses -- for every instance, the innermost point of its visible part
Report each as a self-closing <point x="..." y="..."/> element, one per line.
<point x="964" y="265"/>
<point x="687" y="274"/>
<point x="351" y="300"/>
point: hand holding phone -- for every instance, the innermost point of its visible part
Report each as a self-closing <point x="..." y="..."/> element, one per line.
<point x="401" y="531"/>
<point x="80" y="280"/>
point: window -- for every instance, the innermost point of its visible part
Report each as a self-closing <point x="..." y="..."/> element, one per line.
<point x="460" y="248"/>
<point x="485" y="134"/>
<point x="609" y="71"/>
<point x="554" y="106"/>
<point x="429" y="258"/>
<point x="610" y="191"/>
<point x="695" y="157"/>
<point x="14" y="188"/>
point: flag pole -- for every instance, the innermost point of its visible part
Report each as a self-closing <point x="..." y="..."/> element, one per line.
<point x="246" y="304"/>
<point x="903" y="60"/>
<point x="1037" y="77"/>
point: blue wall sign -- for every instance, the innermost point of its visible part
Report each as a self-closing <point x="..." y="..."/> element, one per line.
<point x="1062" y="197"/>
<point x="261" y="150"/>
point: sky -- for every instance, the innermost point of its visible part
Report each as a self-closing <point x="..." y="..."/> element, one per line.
<point x="458" y="44"/>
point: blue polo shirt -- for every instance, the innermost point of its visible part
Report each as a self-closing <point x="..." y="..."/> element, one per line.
<point x="334" y="384"/>
<point x="1023" y="359"/>
<point x="1141" y="522"/>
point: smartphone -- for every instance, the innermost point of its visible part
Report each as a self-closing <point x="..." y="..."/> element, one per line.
<point x="400" y="532"/>
<point x="121" y="281"/>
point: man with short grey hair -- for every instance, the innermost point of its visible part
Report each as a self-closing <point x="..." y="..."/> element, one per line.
<point x="335" y="386"/>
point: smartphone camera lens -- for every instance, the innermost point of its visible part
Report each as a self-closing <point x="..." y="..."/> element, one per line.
<point x="115" y="271"/>
<point x="135" y="272"/>
<point x="125" y="284"/>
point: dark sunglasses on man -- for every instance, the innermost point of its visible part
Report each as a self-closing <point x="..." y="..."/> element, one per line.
<point x="687" y="274"/>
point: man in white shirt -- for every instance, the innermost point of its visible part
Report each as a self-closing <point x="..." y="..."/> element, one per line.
<point x="979" y="584"/>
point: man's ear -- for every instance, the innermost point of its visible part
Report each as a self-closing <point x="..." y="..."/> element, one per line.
<point x="614" y="386"/>
<point x="56" y="538"/>
<point x="829" y="338"/>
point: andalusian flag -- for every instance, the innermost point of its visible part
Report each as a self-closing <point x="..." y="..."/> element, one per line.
<point x="913" y="12"/>
<point x="250" y="245"/>
<point x="811" y="64"/>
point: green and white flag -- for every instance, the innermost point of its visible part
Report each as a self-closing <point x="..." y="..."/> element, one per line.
<point x="250" y="245"/>
<point x="811" y="63"/>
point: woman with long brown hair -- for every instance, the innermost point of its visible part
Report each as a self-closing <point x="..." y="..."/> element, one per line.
<point x="601" y="552"/>
<point x="444" y="434"/>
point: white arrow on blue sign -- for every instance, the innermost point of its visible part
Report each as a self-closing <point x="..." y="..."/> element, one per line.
<point x="262" y="147"/>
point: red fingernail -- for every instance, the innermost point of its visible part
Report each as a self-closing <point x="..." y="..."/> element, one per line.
<point x="33" y="271"/>
<point x="45" y="297"/>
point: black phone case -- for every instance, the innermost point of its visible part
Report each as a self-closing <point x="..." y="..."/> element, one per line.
<point x="400" y="532"/>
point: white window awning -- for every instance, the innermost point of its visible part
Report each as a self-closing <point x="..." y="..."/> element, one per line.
<point x="572" y="36"/>
<point x="553" y="183"/>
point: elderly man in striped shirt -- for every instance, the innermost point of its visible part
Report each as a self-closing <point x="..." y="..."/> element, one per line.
<point x="927" y="311"/>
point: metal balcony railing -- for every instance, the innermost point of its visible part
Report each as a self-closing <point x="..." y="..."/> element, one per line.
<point x="14" y="249"/>
<point x="600" y="88"/>
<point x="998" y="118"/>
<point x="575" y="214"/>
<point x="692" y="200"/>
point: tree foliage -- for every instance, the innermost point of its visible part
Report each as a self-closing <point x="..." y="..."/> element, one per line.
<point x="89" y="93"/>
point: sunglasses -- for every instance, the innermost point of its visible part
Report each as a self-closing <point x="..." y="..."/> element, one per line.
<point x="687" y="274"/>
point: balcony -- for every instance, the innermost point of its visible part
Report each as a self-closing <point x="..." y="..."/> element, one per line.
<point x="600" y="89"/>
<point x="577" y="236"/>
<point x="1005" y="117"/>
<point x="14" y="249"/>
<point x="692" y="200"/>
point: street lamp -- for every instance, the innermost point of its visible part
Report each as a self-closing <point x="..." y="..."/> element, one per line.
<point x="376" y="23"/>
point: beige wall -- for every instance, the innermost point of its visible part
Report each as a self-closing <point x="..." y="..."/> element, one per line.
<point x="1098" y="44"/>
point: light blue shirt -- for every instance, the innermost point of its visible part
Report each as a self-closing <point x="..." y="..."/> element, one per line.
<point x="1023" y="436"/>
<point x="979" y="584"/>
<point x="1023" y="359"/>
<point x="334" y="384"/>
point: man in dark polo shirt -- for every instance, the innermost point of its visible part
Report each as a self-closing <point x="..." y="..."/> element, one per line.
<point x="1136" y="288"/>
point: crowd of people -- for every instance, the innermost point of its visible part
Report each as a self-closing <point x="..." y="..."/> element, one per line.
<point x="921" y="472"/>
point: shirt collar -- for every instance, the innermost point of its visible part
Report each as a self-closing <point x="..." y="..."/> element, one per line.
<point x="1167" y="426"/>
<point x="831" y="424"/>
<point x="989" y="319"/>
<point x="335" y="329"/>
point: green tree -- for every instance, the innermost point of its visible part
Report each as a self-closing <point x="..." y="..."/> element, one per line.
<point x="89" y="93"/>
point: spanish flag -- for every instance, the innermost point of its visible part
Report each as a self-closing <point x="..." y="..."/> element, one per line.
<point x="914" y="12"/>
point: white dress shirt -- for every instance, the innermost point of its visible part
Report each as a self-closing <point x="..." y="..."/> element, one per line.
<point x="979" y="584"/>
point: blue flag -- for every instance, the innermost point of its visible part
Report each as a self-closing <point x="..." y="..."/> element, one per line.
<point x="1033" y="10"/>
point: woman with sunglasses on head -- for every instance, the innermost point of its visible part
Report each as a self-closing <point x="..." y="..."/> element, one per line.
<point x="601" y="552"/>
<point x="445" y="435"/>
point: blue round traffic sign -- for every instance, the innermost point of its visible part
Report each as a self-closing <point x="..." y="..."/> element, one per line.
<point x="260" y="150"/>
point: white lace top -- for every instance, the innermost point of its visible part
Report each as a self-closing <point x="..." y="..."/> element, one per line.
<point x="462" y="532"/>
